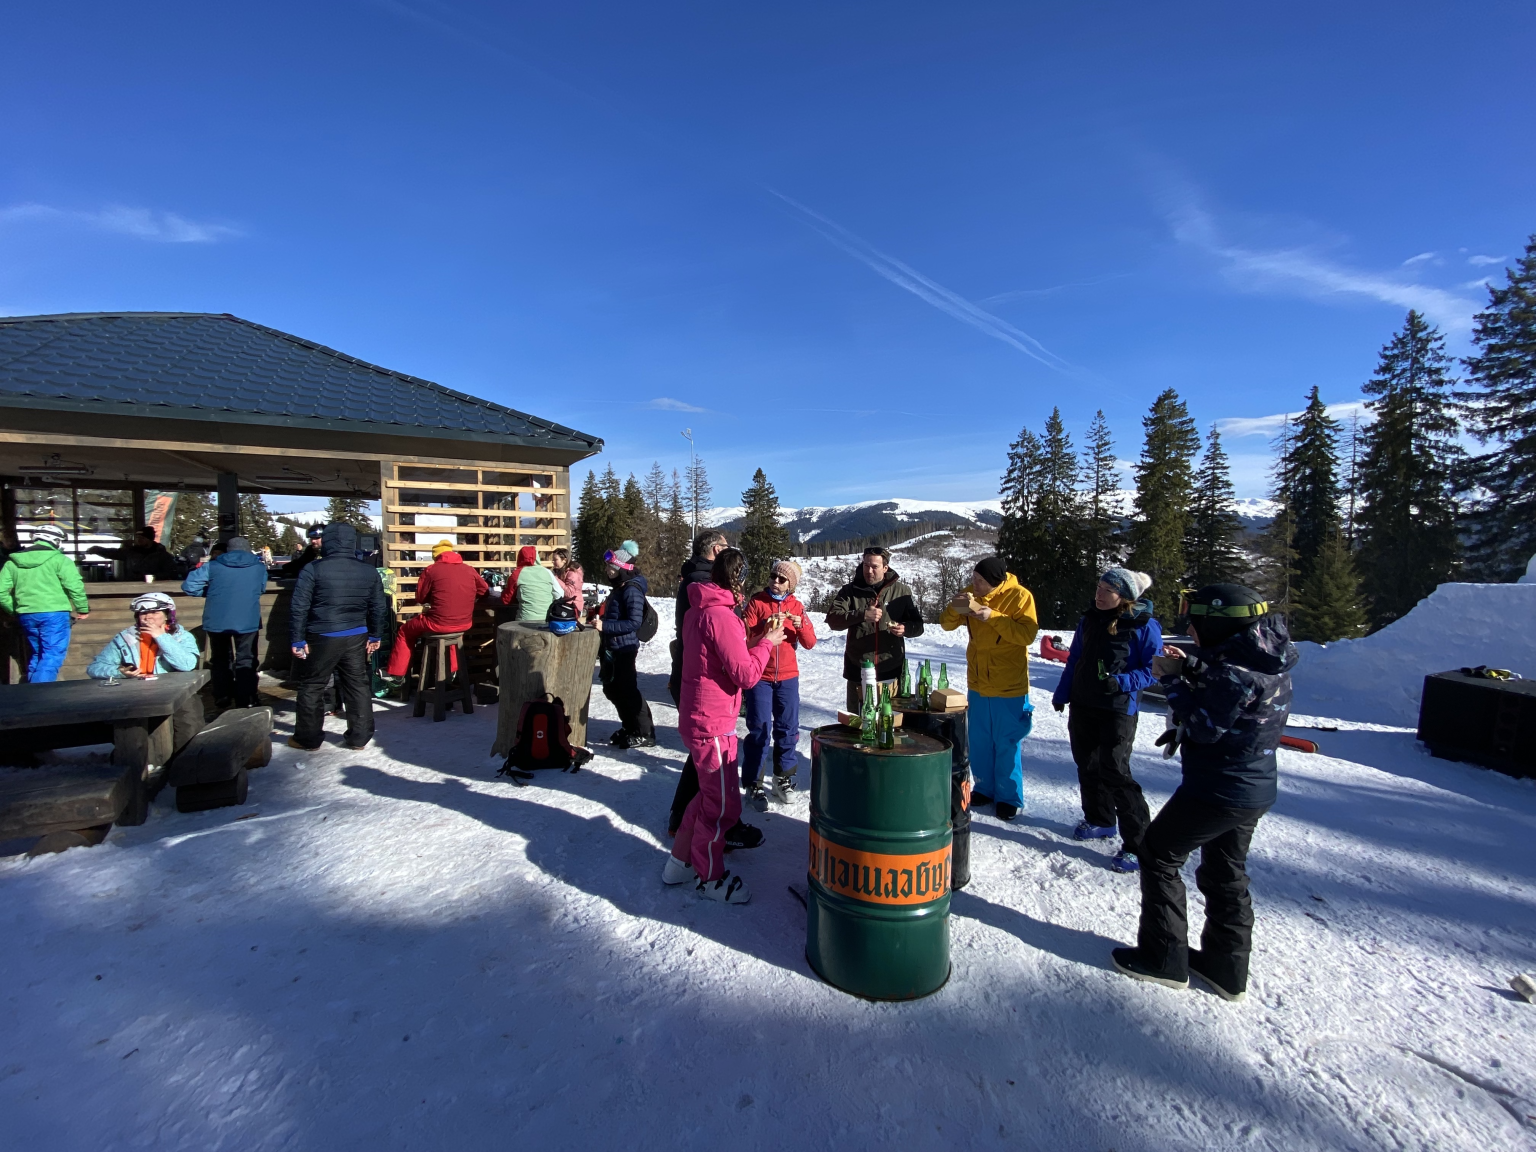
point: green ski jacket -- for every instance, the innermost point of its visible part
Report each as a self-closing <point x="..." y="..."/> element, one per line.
<point x="41" y="579"/>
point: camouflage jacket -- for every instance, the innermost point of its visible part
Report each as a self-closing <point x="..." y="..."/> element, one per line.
<point x="1232" y="702"/>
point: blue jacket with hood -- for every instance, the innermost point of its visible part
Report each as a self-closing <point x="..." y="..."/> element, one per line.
<point x="232" y="584"/>
<point x="1104" y="671"/>
<point x="624" y="612"/>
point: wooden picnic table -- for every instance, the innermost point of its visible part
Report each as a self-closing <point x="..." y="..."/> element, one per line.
<point x="135" y="715"/>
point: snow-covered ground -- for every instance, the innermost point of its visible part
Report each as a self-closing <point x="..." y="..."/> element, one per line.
<point x="398" y="949"/>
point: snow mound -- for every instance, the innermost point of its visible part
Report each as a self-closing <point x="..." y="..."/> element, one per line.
<point x="1379" y="678"/>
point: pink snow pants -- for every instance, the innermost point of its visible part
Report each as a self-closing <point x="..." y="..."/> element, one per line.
<point x="701" y="836"/>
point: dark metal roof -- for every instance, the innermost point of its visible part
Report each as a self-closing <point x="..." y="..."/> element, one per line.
<point x="220" y="367"/>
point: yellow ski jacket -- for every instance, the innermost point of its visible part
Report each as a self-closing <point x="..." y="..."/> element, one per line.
<point x="997" y="658"/>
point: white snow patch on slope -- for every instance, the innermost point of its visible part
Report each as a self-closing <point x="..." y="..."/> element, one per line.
<point x="1381" y="677"/>
<point x="403" y="950"/>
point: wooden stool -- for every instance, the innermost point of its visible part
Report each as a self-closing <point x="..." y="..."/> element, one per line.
<point x="434" y="655"/>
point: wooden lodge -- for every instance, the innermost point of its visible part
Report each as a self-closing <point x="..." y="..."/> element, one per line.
<point x="98" y="409"/>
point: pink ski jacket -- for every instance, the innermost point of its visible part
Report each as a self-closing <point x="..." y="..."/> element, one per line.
<point x="717" y="664"/>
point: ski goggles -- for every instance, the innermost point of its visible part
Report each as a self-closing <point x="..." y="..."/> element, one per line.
<point x="610" y="557"/>
<point x="152" y="602"/>
<point x="1188" y="609"/>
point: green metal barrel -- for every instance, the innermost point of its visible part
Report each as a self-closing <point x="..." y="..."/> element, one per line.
<point x="878" y="896"/>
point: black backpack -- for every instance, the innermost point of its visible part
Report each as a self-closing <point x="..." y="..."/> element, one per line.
<point x="648" y="624"/>
<point x="543" y="741"/>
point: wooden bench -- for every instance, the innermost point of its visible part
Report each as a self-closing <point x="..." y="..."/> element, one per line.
<point x="212" y="771"/>
<point x="65" y="798"/>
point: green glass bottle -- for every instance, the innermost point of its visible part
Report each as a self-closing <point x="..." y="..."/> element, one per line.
<point x="943" y="676"/>
<point x="869" y="717"/>
<point x="924" y="685"/>
<point x="887" y="722"/>
<point x="904" y="681"/>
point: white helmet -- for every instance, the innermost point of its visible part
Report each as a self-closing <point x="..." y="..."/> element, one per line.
<point x="153" y="602"/>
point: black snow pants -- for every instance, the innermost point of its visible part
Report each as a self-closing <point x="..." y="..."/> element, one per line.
<point x="1101" y="745"/>
<point x="347" y="658"/>
<point x="1223" y="836"/>
<point x="621" y="684"/>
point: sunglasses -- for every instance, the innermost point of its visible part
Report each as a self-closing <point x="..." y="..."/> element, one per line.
<point x="777" y="579"/>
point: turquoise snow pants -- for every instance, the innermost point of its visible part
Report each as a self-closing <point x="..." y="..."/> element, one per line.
<point x="997" y="728"/>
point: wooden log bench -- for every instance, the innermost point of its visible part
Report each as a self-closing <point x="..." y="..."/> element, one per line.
<point x="65" y="804"/>
<point x="213" y="770"/>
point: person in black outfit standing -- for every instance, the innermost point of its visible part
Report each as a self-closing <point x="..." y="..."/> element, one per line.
<point x="1230" y="698"/>
<point x="1110" y="662"/>
<point x="619" y="618"/>
<point x="336" y="621"/>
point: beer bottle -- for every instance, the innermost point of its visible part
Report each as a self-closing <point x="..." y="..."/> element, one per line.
<point x="903" y="681"/>
<point x="943" y="676"/>
<point x="887" y="722"/>
<point x="924" y="685"/>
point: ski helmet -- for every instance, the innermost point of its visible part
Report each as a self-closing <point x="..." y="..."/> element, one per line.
<point x="1220" y="611"/>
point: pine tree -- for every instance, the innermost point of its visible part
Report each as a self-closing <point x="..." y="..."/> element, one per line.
<point x="290" y="541"/>
<point x="1329" y="605"/>
<point x="1352" y="483"/>
<point x="1503" y="524"/>
<point x="1312" y="493"/>
<point x="763" y="538"/>
<point x="696" y="493"/>
<point x="1406" y="523"/>
<point x="1277" y="551"/>
<point x="256" y="523"/>
<point x="677" y="536"/>
<point x="1209" y="548"/>
<point x="348" y="510"/>
<point x="1164" y="486"/>
<point x="1020" y="540"/>
<point x="1101" y="477"/>
<point x="195" y="513"/>
<point x="649" y="534"/>
<point x="1058" y="574"/>
<point x="594" y="526"/>
<point x="632" y="517"/>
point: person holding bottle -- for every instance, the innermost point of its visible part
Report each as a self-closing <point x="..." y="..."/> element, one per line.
<point x="1108" y="665"/>
<point x="1000" y="614"/>
<point x="774" y="701"/>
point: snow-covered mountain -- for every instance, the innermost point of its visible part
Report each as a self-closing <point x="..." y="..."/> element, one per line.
<point x="875" y="517"/>
<point x="872" y="518"/>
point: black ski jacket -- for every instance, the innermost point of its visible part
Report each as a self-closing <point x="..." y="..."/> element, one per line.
<point x="1233" y="701"/>
<point x="338" y="592"/>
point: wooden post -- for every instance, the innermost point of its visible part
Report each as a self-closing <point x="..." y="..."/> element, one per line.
<point x="532" y="661"/>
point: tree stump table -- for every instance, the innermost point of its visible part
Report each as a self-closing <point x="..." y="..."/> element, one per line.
<point x="531" y="660"/>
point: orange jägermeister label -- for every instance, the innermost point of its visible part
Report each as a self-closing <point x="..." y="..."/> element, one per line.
<point x="878" y="878"/>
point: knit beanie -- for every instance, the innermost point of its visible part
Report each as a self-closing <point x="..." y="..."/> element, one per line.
<point x="791" y="572"/>
<point x="237" y="544"/>
<point x="440" y="547"/>
<point x="992" y="569"/>
<point x="624" y="555"/>
<point x="1131" y="585"/>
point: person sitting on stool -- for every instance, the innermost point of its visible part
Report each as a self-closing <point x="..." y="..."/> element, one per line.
<point x="447" y="592"/>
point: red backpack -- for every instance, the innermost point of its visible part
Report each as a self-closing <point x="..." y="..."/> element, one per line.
<point x="543" y="740"/>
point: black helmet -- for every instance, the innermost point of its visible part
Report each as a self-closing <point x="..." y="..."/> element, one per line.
<point x="1219" y="611"/>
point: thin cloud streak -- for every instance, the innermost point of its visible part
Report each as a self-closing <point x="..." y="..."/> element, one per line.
<point x="1235" y="427"/>
<point x="905" y="276"/>
<point x="1483" y="261"/>
<point x="667" y="404"/>
<point x="141" y="223"/>
<point x="1257" y="269"/>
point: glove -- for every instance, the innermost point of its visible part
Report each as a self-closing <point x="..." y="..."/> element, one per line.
<point x="1169" y="741"/>
<point x="1060" y="705"/>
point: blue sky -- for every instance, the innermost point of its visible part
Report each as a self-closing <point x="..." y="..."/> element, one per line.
<point x="858" y="245"/>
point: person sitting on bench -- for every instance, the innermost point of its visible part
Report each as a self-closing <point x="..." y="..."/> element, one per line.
<point x="447" y="592"/>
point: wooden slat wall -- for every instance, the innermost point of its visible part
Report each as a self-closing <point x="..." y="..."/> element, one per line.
<point x="488" y="534"/>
